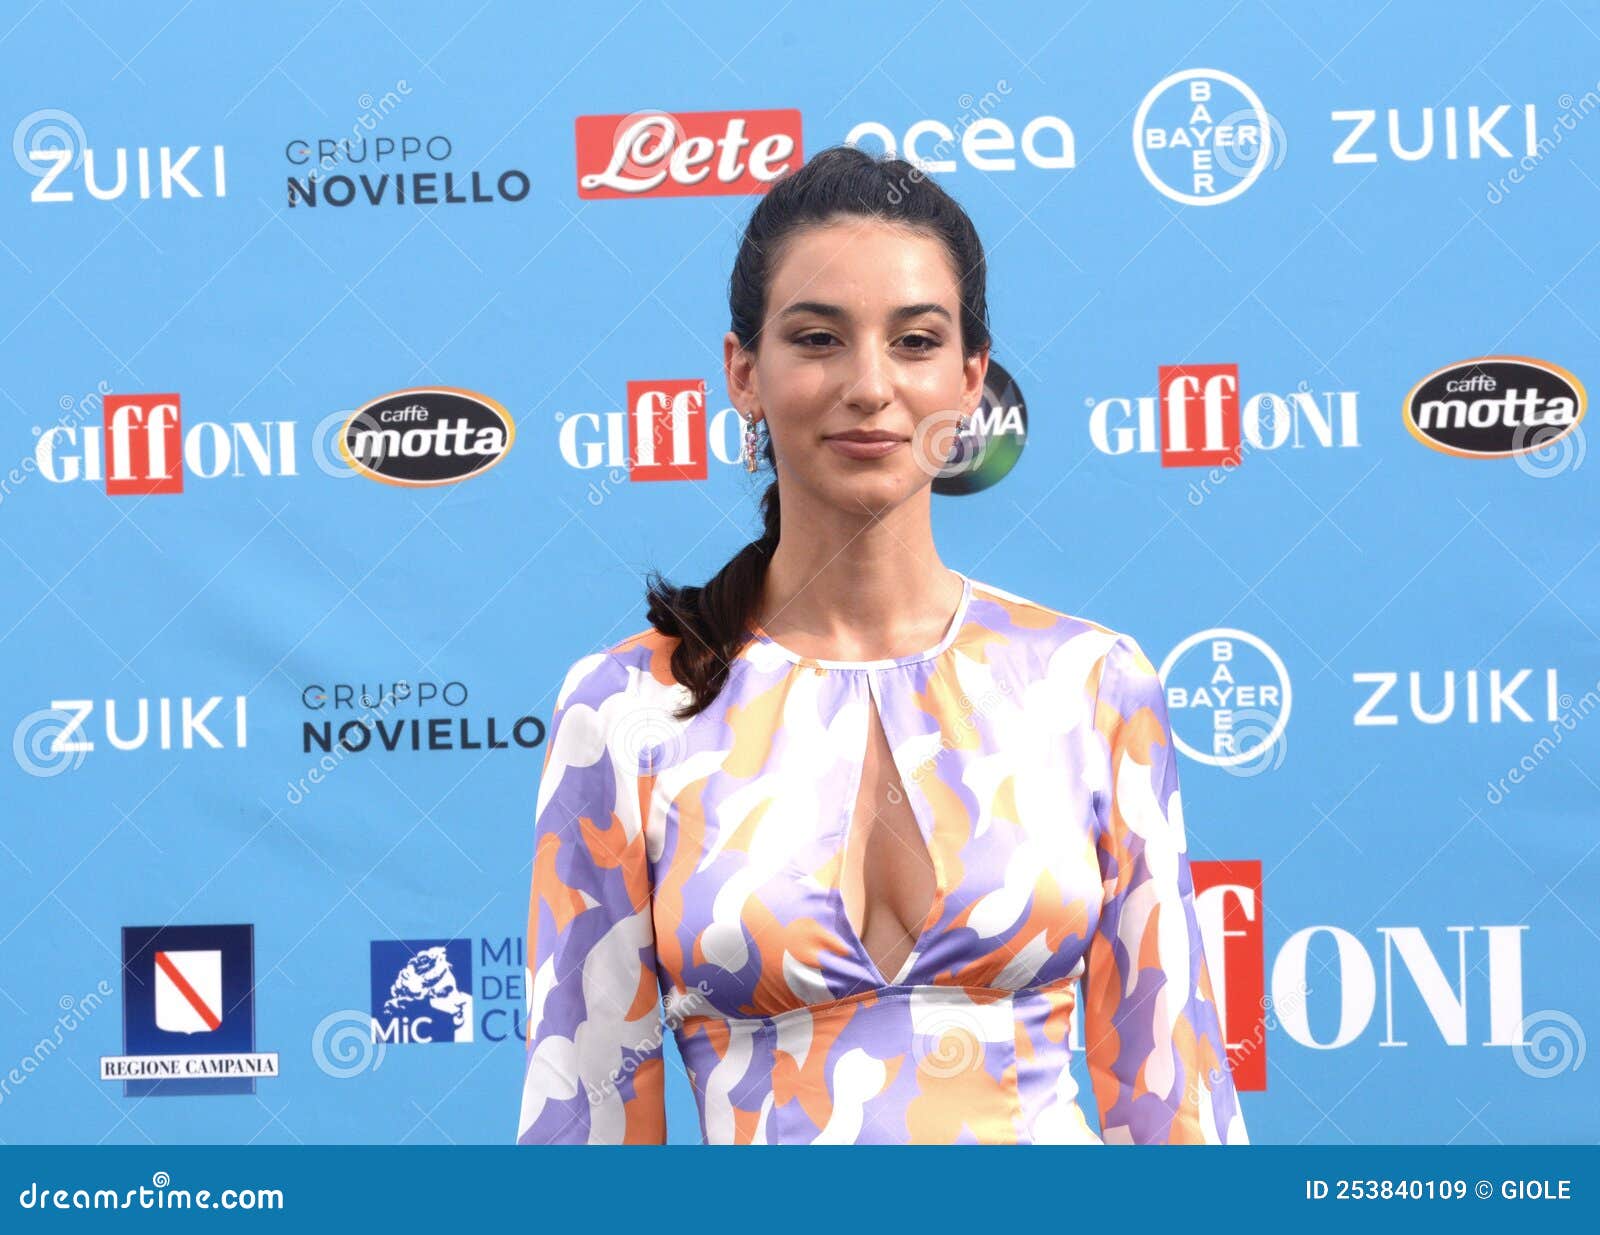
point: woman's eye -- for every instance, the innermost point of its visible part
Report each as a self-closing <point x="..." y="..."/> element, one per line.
<point x="926" y="343"/>
<point x="815" y="338"/>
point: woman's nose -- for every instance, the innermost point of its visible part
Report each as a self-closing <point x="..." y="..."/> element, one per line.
<point x="871" y="385"/>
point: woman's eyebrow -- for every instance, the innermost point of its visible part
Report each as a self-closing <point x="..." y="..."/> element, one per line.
<point x="839" y="313"/>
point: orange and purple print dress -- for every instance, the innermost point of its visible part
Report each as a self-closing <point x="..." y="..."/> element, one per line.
<point x="686" y="879"/>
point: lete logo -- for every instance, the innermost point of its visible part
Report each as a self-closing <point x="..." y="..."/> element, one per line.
<point x="685" y="154"/>
<point x="427" y="435"/>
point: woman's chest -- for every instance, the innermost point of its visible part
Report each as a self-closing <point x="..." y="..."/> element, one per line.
<point x="903" y="805"/>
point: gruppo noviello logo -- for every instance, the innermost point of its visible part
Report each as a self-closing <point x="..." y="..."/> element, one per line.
<point x="421" y="991"/>
<point x="188" y="1013"/>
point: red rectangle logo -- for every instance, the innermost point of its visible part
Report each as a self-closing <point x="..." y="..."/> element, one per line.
<point x="667" y="430"/>
<point x="143" y="444"/>
<point x="686" y="154"/>
<point x="1199" y="415"/>
<point x="1228" y="903"/>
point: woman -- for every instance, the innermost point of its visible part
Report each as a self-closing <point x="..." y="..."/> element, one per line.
<point x="863" y="820"/>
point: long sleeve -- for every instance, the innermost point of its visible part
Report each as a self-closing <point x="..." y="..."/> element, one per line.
<point x="594" y="1068"/>
<point x="1153" y="1038"/>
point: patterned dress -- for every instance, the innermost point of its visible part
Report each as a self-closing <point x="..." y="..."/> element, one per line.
<point x="686" y="879"/>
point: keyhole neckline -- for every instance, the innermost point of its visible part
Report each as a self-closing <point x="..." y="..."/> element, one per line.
<point x="887" y="662"/>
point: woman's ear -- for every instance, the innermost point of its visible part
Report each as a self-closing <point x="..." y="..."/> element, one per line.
<point x="976" y="368"/>
<point x="739" y="369"/>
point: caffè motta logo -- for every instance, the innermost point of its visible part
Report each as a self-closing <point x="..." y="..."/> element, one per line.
<point x="1495" y="407"/>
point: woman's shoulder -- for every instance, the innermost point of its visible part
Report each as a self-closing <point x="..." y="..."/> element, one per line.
<point x="615" y="668"/>
<point x="1024" y="618"/>
<point x="1063" y="644"/>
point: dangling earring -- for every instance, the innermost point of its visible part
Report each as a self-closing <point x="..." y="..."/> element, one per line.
<point x="752" y="445"/>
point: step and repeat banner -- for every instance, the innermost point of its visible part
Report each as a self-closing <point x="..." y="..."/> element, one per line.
<point x="359" y="359"/>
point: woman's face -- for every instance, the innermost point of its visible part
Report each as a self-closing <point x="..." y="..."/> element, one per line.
<point x="862" y="336"/>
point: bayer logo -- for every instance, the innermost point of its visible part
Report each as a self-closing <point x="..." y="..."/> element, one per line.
<point x="1202" y="137"/>
<point x="1228" y="696"/>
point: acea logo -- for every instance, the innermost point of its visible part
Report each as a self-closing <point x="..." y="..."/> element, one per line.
<point x="422" y="991"/>
<point x="427" y="435"/>
<point x="1228" y="700"/>
<point x="984" y="142"/>
<point x="188" y="1013"/>
<point x="1495" y="407"/>
<point x="984" y="454"/>
<point x="1202" y="137"/>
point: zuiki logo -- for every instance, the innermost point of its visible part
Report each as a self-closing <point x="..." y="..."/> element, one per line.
<point x="1472" y="696"/>
<point x="685" y="154"/>
<point x="392" y="171"/>
<point x="1435" y="132"/>
<point x="107" y="175"/>
<point x="144" y="449"/>
<point x="1196" y="419"/>
<point x="189" y="1018"/>
<point x="422" y="991"/>
<point x="1495" y="407"/>
<point x="427" y="435"/>
<point x="1228" y="697"/>
<point x="1202" y="137"/>
<point x="184" y="723"/>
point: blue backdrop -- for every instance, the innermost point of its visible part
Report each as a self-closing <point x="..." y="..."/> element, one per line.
<point x="1297" y="309"/>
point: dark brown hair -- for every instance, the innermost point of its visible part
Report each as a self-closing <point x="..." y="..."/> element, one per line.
<point x="713" y="620"/>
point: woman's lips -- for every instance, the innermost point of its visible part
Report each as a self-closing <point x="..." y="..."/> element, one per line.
<point x="852" y="448"/>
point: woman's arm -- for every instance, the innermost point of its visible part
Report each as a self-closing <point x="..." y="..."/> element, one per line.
<point x="1152" y="1030"/>
<point x="594" y="1066"/>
